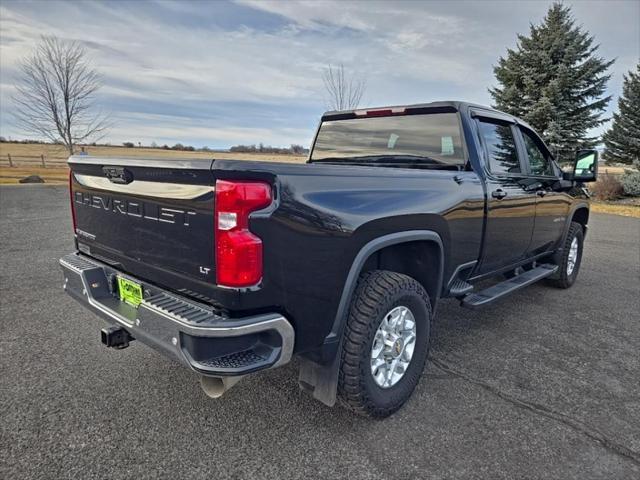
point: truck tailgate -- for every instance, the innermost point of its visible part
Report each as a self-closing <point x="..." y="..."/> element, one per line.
<point x="147" y="215"/>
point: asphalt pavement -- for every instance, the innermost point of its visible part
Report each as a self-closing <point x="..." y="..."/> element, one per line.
<point x="544" y="384"/>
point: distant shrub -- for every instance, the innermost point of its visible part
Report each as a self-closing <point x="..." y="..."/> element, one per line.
<point x="261" y="148"/>
<point x="181" y="147"/>
<point x="297" y="149"/>
<point x="128" y="144"/>
<point x="607" y="188"/>
<point x="243" y="148"/>
<point x="631" y="183"/>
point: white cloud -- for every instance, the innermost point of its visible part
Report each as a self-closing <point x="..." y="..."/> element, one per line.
<point x="378" y="18"/>
<point x="246" y="64"/>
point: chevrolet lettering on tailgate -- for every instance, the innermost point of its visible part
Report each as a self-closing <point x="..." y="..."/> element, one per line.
<point x="132" y="208"/>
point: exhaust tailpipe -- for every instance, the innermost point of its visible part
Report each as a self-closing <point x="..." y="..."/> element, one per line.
<point x="215" y="387"/>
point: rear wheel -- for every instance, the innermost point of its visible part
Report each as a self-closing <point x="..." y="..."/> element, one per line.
<point x="386" y="343"/>
<point x="569" y="259"/>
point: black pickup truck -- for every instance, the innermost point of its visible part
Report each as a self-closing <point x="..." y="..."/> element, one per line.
<point x="231" y="267"/>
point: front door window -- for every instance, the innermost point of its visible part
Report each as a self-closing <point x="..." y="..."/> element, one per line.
<point x="539" y="162"/>
<point x="501" y="147"/>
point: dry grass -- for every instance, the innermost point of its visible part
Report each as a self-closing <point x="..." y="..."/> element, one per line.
<point x="55" y="153"/>
<point x="608" y="187"/>
<point x="49" y="175"/>
<point x="613" y="170"/>
<point x="26" y="159"/>
<point x="616" y="209"/>
<point x="31" y="149"/>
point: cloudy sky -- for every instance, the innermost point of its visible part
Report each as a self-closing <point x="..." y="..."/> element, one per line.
<point x="220" y="73"/>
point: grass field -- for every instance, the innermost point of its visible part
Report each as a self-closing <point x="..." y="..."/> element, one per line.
<point x="27" y="160"/>
<point x="54" y="153"/>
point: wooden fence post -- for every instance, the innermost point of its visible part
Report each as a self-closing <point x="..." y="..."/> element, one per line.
<point x="42" y="158"/>
<point x="9" y="157"/>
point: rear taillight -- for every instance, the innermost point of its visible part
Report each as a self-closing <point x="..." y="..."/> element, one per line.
<point x="238" y="251"/>
<point x="73" y="209"/>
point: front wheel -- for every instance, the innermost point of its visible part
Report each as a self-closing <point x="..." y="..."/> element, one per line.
<point x="385" y="345"/>
<point x="570" y="258"/>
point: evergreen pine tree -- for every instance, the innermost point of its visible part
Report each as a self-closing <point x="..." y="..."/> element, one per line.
<point x="623" y="138"/>
<point x="555" y="82"/>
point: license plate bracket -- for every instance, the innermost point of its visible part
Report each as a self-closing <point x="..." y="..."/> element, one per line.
<point x="129" y="291"/>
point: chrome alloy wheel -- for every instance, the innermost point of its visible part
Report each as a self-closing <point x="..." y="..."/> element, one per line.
<point x="572" y="258"/>
<point x="393" y="347"/>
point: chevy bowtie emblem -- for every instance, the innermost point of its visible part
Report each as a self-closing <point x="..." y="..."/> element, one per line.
<point x="118" y="174"/>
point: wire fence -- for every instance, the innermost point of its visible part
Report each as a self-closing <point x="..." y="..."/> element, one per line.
<point x="42" y="160"/>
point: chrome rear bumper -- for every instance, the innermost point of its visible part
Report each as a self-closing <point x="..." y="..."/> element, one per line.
<point x="187" y="331"/>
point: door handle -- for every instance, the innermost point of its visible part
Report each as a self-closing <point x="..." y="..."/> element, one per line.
<point x="541" y="193"/>
<point x="499" y="194"/>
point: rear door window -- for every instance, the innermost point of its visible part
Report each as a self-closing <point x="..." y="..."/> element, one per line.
<point x="501" y="147"/>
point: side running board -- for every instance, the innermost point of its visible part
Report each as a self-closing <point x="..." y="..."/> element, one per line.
<point x="502" y="289"/>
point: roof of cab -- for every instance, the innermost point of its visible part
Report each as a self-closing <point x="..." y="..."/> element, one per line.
<point x="455" y="104"/>
<point x="459" y="106"/>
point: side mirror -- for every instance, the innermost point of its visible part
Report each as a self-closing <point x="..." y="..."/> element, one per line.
<point x="585" y="168"/>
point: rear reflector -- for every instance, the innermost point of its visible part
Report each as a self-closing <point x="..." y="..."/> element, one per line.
<point x="238" y="251"/>
<point x="73" y="209"/>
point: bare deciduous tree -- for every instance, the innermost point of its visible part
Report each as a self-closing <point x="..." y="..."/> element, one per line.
<point x="55" y="93"/>
<point x="345" y="91"/>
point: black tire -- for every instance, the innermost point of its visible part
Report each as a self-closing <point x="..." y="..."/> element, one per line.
<point x="377" y="293"/>
<point x="562" y="279"/>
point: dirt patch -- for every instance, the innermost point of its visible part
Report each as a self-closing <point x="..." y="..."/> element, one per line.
<point x="49" y="175"/>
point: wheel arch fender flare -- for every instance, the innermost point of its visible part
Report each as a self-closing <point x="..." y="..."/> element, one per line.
<point x="369" y="249"/>
<point x="321" y="380"/>
<point x="570" y="218"/>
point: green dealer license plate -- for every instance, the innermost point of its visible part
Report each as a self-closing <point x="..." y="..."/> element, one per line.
<point x="130" y="292"/>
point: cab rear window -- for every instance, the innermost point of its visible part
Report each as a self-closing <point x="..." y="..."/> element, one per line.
<point x="433" y="138"/>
